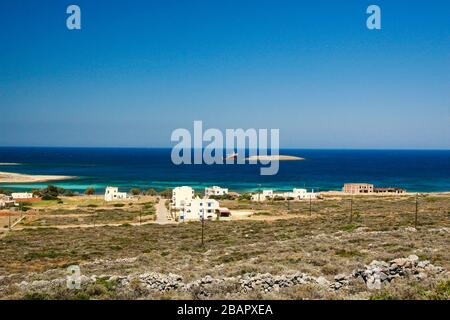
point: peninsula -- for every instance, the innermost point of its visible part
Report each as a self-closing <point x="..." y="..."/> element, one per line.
<point x="9" y="177"/>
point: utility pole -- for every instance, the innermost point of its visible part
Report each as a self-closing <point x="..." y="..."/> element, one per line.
<point x="310" y="204"/>
<point x="351" y="209"/>
<point x="259" y="192"/>
<point x="203" y="227"/>
<point x="417" y="207"/>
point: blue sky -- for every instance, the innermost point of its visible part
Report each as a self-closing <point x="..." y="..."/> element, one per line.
<point x="139" y="69"/>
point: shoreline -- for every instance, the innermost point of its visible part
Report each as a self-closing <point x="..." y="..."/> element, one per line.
<point x="10" y="177"/>
<point x="274" y="158"/>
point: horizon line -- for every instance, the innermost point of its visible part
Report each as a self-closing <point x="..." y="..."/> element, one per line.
<point x="281" y="148"/>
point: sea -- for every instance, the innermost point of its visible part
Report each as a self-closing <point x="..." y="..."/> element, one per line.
<point x="145" y="168"/>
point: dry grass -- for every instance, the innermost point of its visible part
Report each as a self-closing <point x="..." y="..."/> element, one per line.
<point x="323" y="243"/>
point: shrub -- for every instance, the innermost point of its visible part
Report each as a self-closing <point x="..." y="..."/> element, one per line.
<point x="347" y="253"/>
<point x="263" y="213"/>
<point x="89" y="191"/>
<point x="50" y="193"/>
<point x="440" y="292"/>
<point x="24" y="206"/>
<point x="49" y="197"/>
<point x="69" y="193"/>
<point x="151" y="192"/>
<point x="245" y="196"/>
<point x="135" y="191"/>
<point x="350" y="227"/>
<point x="4" y="191"/>
<point x="223" y="197"/>
<point x="36" y="296"/>
<point x="166" y="193"/>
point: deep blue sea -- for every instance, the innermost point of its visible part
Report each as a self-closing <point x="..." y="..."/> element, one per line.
<point x="152" y="168"/>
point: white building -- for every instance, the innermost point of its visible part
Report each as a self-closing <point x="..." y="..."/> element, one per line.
<point x="182" y="196"/>
<point x="199" y="208"/>
<point x="215" y="191"/>
<point x="299" y="193"/>
<point x="310" y="195"/>
<point x="21" y="195"/>
<point x="6" y="201"/>
<point x="113" y="194"/>
<point x="296" y="194"/>
<point x="267" y="193"/>
<point x="263" y="195"/>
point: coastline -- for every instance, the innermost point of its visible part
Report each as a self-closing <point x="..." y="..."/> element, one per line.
<point x="9" y="177"/>
<point x="323" y="170"/>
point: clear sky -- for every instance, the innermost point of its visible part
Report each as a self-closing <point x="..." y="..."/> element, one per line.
<point x="139" y="69"/>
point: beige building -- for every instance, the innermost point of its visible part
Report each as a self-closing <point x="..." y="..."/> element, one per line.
<point x="358" y="188"/>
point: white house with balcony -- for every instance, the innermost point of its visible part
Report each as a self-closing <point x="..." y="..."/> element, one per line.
<point x="215" y="191"/>
<point x="113" y="194"/>
<point x="198" y="209"/>
<point x="182" y="196"/>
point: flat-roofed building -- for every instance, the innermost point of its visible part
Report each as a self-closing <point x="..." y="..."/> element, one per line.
<point x="21" y="195"/>
<point x="263" y="195"/>
<point x="182" y="196"/>
<point x="6" y="201"/>
<point x="113" y="194"/>
<point x="198" y="209"/>
<point x="389" y="190"/>
<point x="215" y="191"/>
<point x="358" y="188"/>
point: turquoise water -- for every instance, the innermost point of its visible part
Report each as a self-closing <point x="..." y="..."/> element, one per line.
<point x="152" y="168"/>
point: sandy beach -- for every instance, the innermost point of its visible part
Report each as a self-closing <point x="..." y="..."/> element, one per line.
<point x="8" y="177"/>
<point x="274" y="158"/>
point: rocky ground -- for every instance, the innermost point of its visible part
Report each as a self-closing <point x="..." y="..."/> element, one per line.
<point x="150" y="284"/>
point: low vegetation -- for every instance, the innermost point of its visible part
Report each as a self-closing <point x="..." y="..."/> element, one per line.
<point x="321" y="242"/>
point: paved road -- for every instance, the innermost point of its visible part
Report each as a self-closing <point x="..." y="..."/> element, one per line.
<point x="162" y="214"/>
